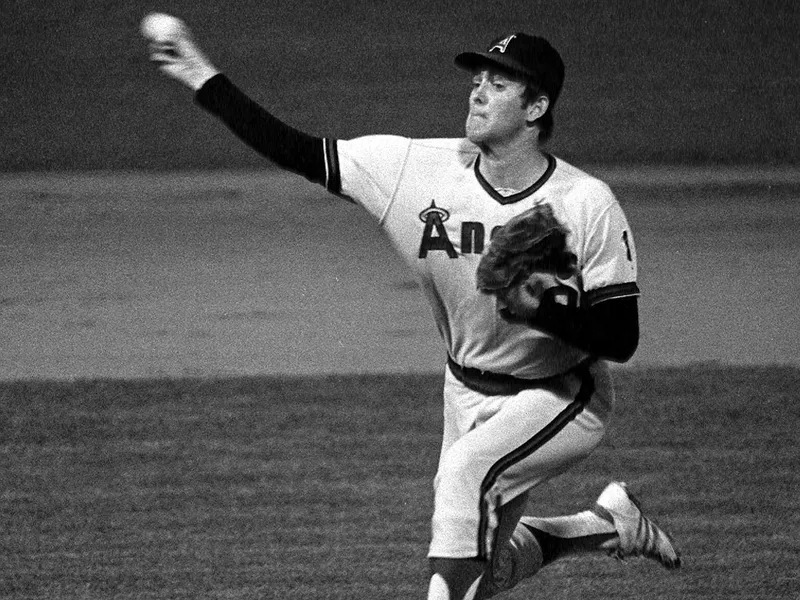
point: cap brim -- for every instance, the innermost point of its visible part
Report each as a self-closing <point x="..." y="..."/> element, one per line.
<point x="474" y="60"/>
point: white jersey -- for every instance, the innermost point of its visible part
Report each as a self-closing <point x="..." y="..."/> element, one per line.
<point x="439" y="212"/>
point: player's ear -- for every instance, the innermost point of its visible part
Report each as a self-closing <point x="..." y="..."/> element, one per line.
<point x="536" y="108"/>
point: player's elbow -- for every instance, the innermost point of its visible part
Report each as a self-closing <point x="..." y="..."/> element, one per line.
<point x="623" y="348"/>
<point x="616" y="330"/>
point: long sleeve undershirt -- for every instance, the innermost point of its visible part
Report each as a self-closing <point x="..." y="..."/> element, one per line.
<point x="287" y="147"/>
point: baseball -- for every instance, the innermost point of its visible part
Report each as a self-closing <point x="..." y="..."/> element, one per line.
<point x="160" y="27"/>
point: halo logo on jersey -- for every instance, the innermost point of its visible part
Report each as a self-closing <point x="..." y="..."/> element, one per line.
<point x="502" y="45"/>
<point x="434" y="219"/>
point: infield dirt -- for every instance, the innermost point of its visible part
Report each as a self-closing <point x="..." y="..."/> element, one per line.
<point x="220" y="273"/>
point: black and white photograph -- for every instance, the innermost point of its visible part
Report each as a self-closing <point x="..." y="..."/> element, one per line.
<point x="400" y="300"/>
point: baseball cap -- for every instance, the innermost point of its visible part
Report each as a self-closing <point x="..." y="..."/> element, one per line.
<point x="530" y="56"/>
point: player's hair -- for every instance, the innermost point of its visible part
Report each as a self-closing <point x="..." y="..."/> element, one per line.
<point x="529" y="95"/>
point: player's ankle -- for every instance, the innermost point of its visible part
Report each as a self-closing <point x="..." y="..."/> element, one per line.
<point x="455" y="578"/>
<point x="554" y="547"/>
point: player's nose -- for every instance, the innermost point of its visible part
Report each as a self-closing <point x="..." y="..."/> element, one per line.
<point x="478" y="94"/>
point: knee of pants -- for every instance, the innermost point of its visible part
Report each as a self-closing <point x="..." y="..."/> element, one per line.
<point x="460" y="470"/>
<point x="458" y="507"/>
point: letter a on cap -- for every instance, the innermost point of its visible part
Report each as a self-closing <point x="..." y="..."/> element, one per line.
<point x="502" y="44"/>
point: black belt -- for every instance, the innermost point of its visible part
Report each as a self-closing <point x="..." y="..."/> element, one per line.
<point x="500" y="384"/>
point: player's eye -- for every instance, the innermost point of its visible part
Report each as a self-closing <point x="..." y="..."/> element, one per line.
<point x="498" y="81"/>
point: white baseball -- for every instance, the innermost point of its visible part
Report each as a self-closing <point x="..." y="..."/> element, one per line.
<point x="160" y="27"/>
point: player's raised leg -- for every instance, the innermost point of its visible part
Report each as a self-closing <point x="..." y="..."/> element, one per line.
<point x="615" y="525"/>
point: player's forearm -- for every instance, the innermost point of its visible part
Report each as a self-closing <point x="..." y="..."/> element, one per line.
<point x="609" y="329"/>
<point x="284" y="145"/>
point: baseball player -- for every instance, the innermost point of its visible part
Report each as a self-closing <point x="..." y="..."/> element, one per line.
<point x="527" y="391"/>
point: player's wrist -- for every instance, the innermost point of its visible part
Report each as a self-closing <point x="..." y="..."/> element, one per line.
<point x="564" y="320"/>
<point x="199" y="76"/>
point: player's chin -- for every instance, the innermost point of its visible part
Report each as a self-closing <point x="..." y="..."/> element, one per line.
<point x="475" y="129"/>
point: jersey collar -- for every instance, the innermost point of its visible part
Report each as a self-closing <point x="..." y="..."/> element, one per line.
<point x="551" y="166"/>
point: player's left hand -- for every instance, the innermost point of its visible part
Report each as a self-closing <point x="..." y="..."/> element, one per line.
<point x="527" y="262"/>
<point x="520" y="303"/>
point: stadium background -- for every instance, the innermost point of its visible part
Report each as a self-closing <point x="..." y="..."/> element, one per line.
<point x="647" y="81"/>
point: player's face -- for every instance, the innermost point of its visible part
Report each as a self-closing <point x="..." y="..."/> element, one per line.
<point x="496" y="111"/>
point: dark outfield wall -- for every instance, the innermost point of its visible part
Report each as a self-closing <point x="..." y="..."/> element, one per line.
<point x="647" y="81"/>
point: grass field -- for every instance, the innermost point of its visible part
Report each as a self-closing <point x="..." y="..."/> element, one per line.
<point x="320" y="487"/>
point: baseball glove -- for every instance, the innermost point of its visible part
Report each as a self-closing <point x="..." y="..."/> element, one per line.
<point x="525" y="258"/>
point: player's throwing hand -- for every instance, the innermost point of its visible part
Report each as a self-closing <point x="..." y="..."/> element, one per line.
<point x="172" y="46"/>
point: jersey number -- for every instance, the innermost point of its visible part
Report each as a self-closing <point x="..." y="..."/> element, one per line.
<point x="627" y="245"/>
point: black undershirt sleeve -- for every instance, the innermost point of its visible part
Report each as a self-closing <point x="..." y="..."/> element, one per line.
<point x="284" y="145"/>
<point x="608" y="329"/>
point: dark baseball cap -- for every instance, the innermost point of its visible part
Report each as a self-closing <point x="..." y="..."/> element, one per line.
<point x="527" y="55"/>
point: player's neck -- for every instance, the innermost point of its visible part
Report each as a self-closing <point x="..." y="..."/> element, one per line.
<point x="514" y="168"/>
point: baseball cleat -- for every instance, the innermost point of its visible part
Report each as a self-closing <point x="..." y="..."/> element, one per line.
<point x="638" y="535"/>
